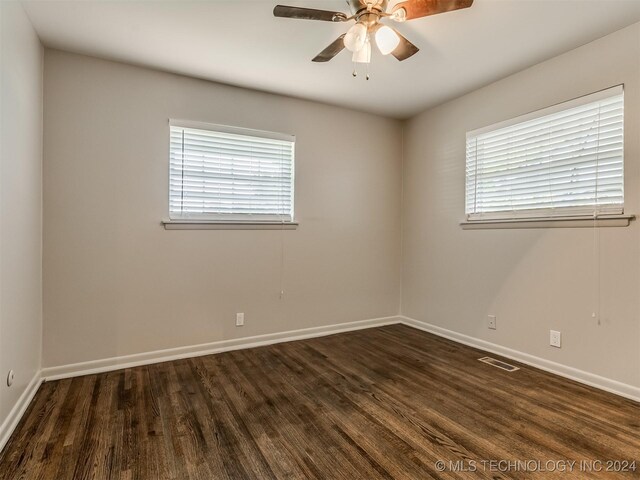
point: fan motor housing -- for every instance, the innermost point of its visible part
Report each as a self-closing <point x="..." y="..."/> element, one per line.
<point x="370" y="20"/>
<point x="357" y="5"/>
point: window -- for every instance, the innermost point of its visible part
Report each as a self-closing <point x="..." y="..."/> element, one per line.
<point x="229" y="174"/>
<point x="566" y="160"/>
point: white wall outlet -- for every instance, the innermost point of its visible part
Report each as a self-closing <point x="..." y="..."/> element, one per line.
<point x="555" y="338"/>
<point x="10" y="377"/>
<point x="491" y="322"/>
<point x="239" y="319"/>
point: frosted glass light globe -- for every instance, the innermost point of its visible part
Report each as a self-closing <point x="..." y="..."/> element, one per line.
<point x="387" y="40"/>
<point x="355" y="38"/>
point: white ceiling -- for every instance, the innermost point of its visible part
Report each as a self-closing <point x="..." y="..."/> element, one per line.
<point x="239" y="42"/>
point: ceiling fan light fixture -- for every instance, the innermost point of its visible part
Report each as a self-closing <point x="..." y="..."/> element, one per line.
<point x="369" y="15"/>
<point x="387" y="40"/>
<point x="356" y="37"/>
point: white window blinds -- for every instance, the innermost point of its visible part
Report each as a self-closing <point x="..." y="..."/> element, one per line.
<point x="223" y="173"/>
<point x="561" y="161"/>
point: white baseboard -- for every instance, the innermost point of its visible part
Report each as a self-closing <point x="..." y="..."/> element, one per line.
<point x="127" y="361"/>
<point x="591" y="379"/>
<point x="15" y="415"/>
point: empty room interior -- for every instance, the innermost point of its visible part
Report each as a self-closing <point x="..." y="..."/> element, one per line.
<point x="318" y="239"/>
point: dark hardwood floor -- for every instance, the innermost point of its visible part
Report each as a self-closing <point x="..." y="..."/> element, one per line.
<point x="387" y="402"/>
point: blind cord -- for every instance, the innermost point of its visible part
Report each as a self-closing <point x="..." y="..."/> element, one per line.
<point x="551" y="199"/>
<point x="596" y="271"/>
<point x="597" y="287"/>
<point x="282" y="261"/>
<point x="181" y="175"/>
<point x="281" y="229"/>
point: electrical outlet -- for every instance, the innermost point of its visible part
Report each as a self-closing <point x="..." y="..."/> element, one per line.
<point x="10" y="377"/>
<point x="555" y="338"/>
<point x="239" y="319"/>
<point x="491" y="322"/>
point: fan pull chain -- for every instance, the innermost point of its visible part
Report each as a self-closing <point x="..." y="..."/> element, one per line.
<point x="355" y="71"/>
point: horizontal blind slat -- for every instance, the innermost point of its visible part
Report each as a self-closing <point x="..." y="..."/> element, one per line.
<point x="217" y="173"/>
<point x="570" y="158"/>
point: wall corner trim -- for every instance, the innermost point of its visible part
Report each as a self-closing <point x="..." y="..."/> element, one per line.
<point x="591" y="379"/>
<point x="146" y="358"/>
<point x="19" y="409"/>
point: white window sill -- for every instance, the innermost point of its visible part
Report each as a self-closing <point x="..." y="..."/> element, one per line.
<point x="227" y="225"/>
<point x="557" y="222"/>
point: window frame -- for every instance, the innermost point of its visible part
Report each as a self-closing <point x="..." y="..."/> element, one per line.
<point x="545" y="216"/>
<point x="221" y="220"/>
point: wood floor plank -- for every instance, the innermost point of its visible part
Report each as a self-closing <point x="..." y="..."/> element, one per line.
<point x="383" y="403"/>
<point x="545" y="428"/>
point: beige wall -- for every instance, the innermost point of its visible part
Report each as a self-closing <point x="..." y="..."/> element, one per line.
<point x="533" y="280"/>
<point x="117" y="283"/>
<point x="20" y="203"/>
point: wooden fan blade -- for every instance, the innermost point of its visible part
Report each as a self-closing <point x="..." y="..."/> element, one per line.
<point x="424" y="8"/>
<point x="331" y="51"/>
<point x="308" y="14"/>
<point x="405" y="48"/>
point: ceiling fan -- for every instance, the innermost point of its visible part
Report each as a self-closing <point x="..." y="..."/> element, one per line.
<point x="368" y="17"/>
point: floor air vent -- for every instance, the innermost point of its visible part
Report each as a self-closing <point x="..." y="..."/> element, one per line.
<point x="499" y="364"/>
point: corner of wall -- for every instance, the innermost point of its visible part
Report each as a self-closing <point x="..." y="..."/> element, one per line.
<point x="21" y="137"/>
<point x="403" y="124"/>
